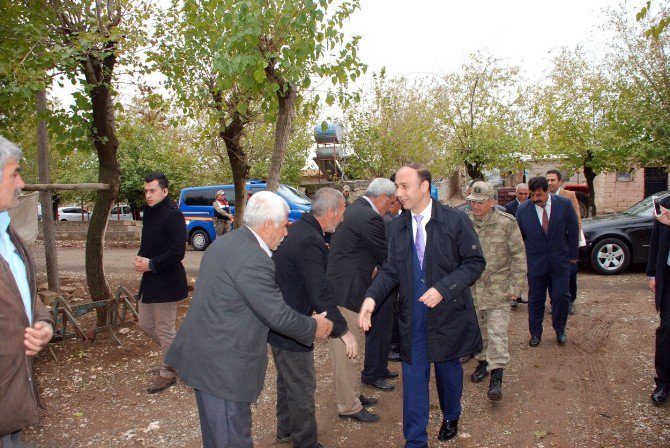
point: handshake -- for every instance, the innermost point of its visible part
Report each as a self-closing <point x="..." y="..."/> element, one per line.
<point x="323" y="326"/>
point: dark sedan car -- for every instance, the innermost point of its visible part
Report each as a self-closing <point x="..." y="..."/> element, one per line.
<point x="615" y="241"/>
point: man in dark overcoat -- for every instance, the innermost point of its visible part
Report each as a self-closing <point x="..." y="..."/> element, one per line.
<point x="159" y="260"/>
<point x="434" y="257"/>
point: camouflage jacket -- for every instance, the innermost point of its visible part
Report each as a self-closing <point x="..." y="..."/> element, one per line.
<point x="505" y="254"/>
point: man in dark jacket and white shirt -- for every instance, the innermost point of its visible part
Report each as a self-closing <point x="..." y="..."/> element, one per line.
<point x="434" y="256"/>
<point x="163" y="275"/>
<point x="300" y="263"/>
<point x="25" y="325"/>
<point x="221" y="347"/>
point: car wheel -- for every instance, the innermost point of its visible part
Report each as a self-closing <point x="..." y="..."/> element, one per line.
<point x="199" y="240"/>
<point x="610" y="256"/>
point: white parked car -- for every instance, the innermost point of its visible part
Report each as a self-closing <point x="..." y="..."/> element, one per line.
<point x="73" y="214"/>
<point x="121" y="213"/>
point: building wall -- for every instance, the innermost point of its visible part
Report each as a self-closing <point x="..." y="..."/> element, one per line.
<point x="613" y="195"/>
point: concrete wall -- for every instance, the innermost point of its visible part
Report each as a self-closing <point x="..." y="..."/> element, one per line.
<point x="121" y="231"/>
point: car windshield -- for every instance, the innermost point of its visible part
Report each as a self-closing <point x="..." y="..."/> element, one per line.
<point x="643" y="208"/>
<point x="295" y="196"/>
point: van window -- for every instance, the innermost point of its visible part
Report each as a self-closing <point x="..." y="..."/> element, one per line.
<point x="294" y="196"/>
<point x="207" y="196"/>
<point x="254" y="189"/>
<point x="199" y="197"/>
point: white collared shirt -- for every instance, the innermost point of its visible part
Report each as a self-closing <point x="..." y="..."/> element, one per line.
<point x="371" y="203"/>
<point x="16" y="264"/>
<point x="547" y="207"/>
<point x="426" y="213"/>
<point x="261" y="242"/>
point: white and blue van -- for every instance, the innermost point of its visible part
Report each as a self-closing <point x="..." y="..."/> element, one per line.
<point x="196" y="205"/>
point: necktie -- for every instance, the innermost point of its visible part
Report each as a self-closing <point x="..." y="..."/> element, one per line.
<point x="419" y="240"/>
<point x="545" y="219"/>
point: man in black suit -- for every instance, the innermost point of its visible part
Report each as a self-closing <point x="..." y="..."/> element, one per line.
<point x="550" y="233"/>
<point x="434" y="257"/>
<point x="300" y="270"/>
<point x="521" y="192"/>
<point x="358" y="246"/>
<point x="658" y="271"/>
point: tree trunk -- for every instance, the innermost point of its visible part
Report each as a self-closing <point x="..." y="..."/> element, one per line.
<point x="282" y="135"/>
<point x="231" y="135"/>
<point x="98" y="76"/>
<point x="455" y="187"/>
<point x="474" y="170"/>
<point x="590" y="176"/>
<point x="48" y="225"/>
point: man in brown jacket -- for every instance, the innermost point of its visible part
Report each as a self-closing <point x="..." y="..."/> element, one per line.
<point x="556" y="187"/>
<point x="25" y="325"/>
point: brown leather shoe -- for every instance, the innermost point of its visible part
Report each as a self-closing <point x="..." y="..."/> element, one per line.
<point x="160" y="384"/>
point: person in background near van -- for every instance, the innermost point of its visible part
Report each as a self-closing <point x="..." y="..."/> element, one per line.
<point x="503" y="279"/>
<point x="521" y="192"/>
<point x="555" y="183"/>
<point x="26" y="326"/>
<point x="222" y="215"/>
<point x="346" y="191"/>
<point x="658" y="271"/>
<point x="300" y="270"/>
<point x="159" y="259"/>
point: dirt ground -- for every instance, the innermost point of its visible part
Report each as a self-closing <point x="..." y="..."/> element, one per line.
<point x="592" y="393"/>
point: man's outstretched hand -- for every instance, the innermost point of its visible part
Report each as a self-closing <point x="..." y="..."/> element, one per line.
<point x="365" y="314"/>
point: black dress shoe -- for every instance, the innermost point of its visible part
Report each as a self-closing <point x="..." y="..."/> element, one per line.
<point x="363" y="416"/>
<point x="284" y="438"/>
<point x="562" y="338"/>
<point x="367" y="401"/>
<point x="534" y="341"/>
<point x="660" y="394"/>
<point x="521" y="300"/>
<point x="390" y="375"/>
<point x="380" y="385"/>
<point x="394" y="356"/>
<point x="448" y="430"/>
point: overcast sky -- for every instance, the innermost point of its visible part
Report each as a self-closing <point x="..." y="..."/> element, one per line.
<point x="418" y="37"/>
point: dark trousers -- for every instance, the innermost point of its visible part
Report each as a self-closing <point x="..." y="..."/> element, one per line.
<point x="224" y="423"/>
<point x="557" y="284"/>
<point x="662" y="356"/>
<point x="296" y="385"/>
<point x="378" y="343"/>
<point x="573" y="282"/>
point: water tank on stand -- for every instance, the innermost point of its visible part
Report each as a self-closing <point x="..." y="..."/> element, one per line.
<point x="329" y="153"/>
<point x="332" y="133"/>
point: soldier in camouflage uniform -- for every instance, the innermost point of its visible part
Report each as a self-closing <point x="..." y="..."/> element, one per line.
<point x="503" y="279"/>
